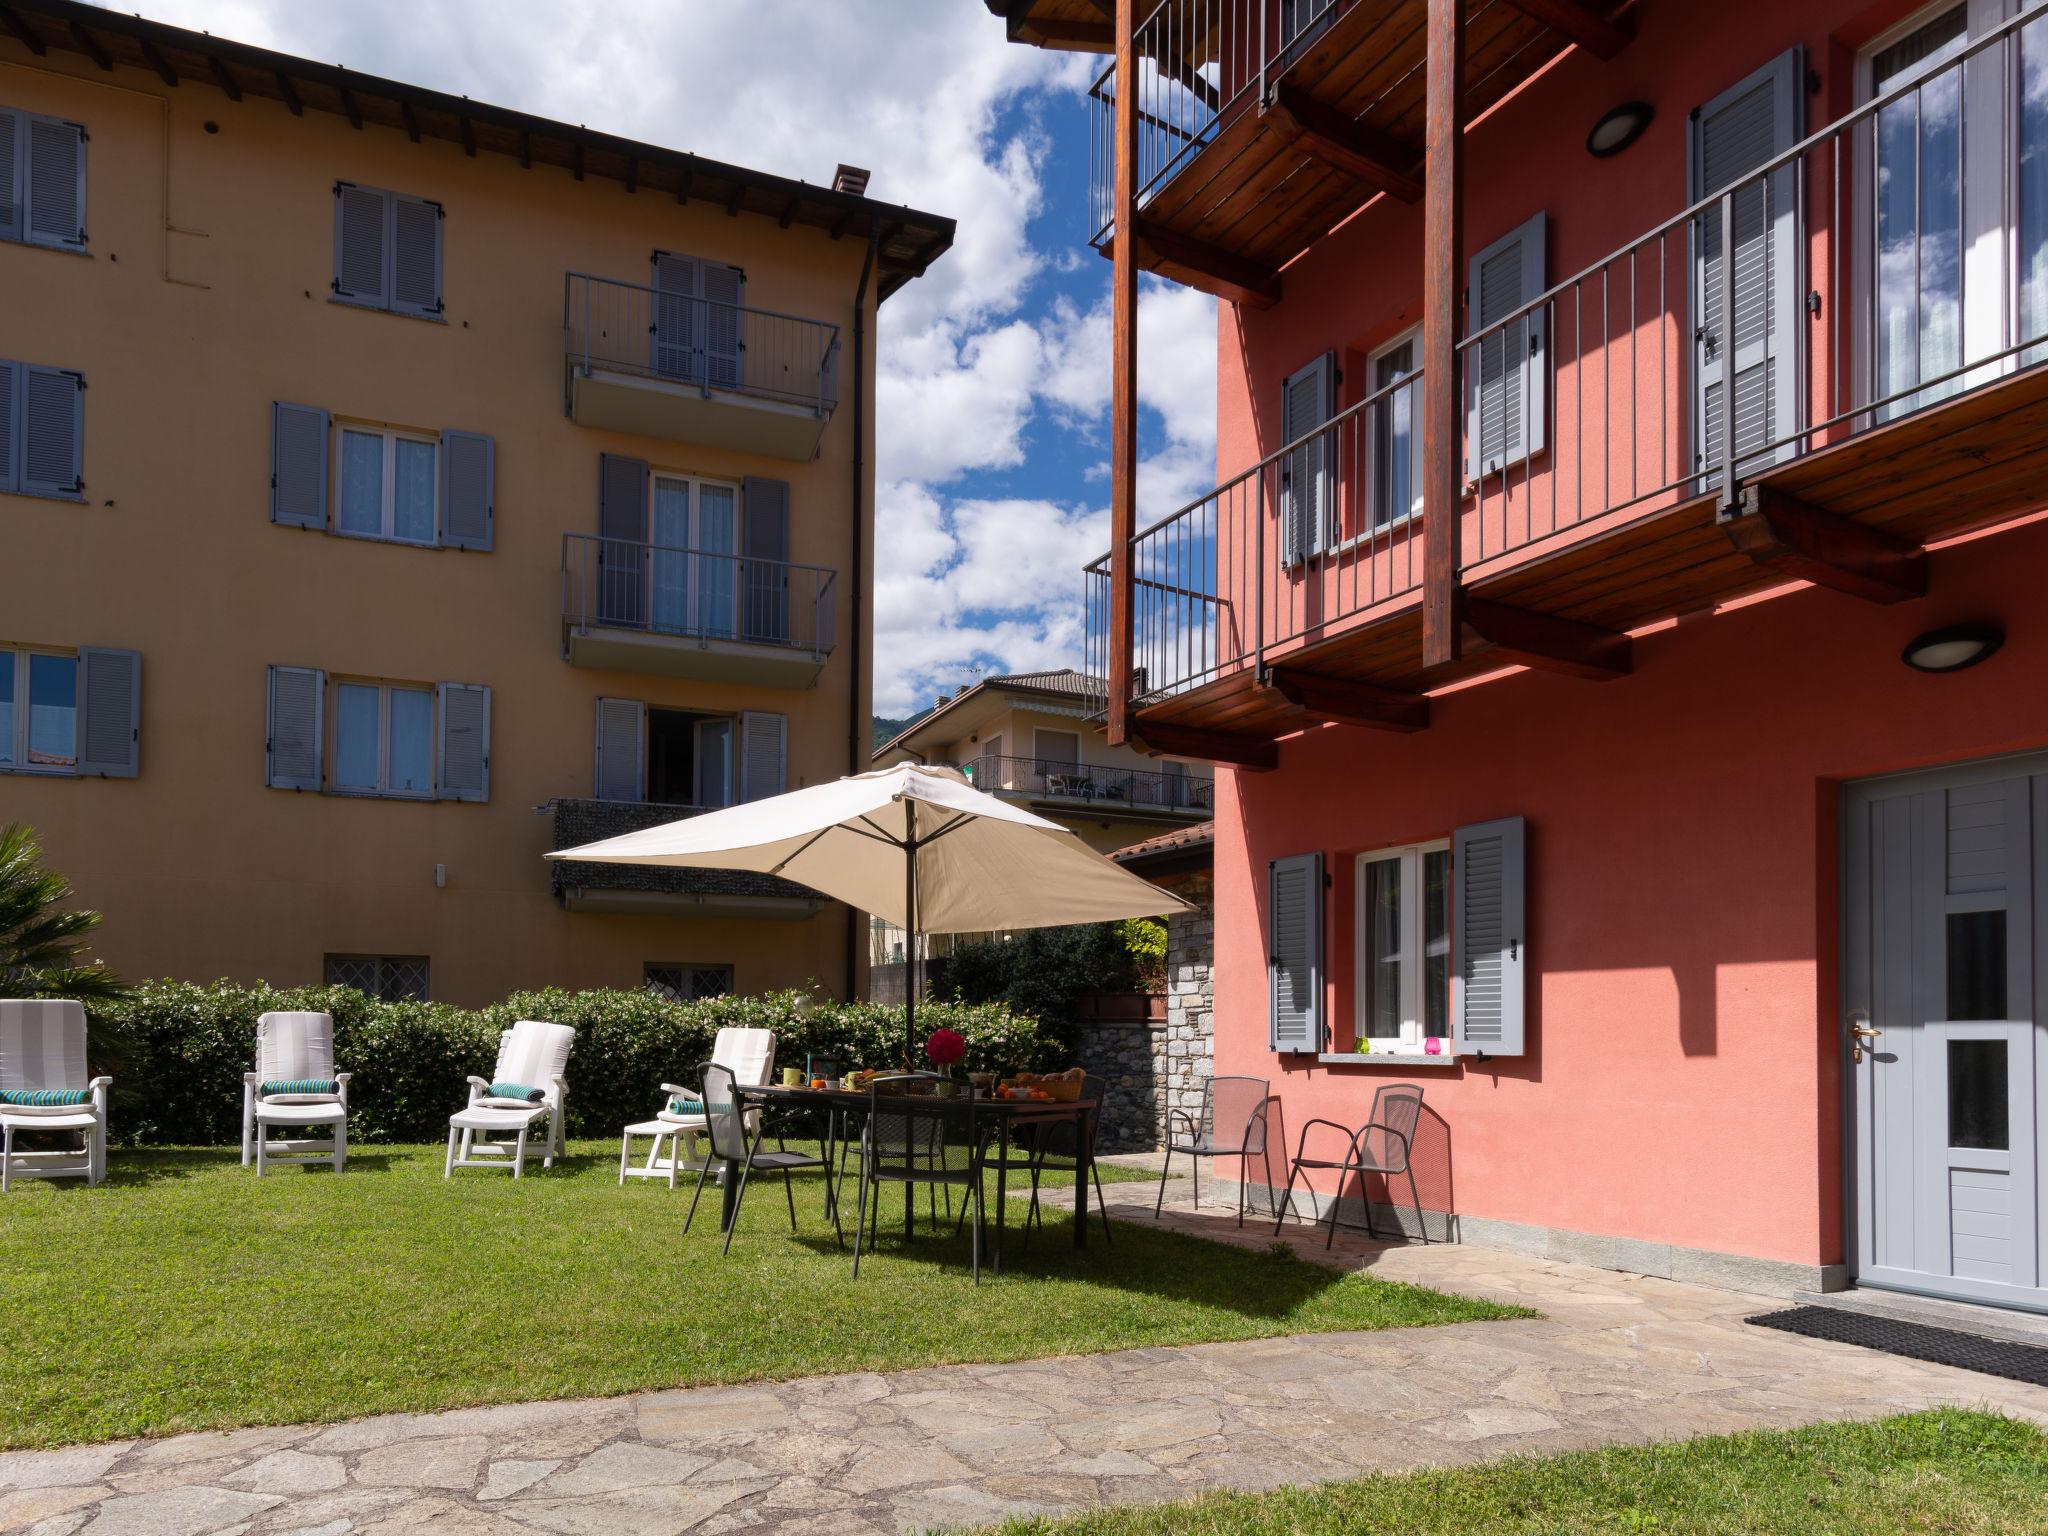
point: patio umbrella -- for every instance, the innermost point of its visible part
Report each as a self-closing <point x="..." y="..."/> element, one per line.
<point x="916" y="845"/>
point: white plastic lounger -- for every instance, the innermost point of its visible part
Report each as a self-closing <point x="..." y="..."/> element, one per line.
<point x="294" y="1085"/>
<point x="533" y="1055"/>
<point x="44" y="1088"/>
<point x="749" y="1053"/>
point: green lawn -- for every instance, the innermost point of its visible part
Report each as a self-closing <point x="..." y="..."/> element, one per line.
<point x="185" y="1294"/>
<point x="1950" y="1472"/>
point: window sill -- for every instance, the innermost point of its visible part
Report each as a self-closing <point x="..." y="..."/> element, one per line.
<point x="58" y="246"/>
<point x="386" y="309"/>
<point x="44" y="770"/>
<point x="1385" y="1059"/>
<point x="75" y="498"/>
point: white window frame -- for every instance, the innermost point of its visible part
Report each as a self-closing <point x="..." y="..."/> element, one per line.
<point x="384" y="690"/>
<point x="699" y="559"/>
<point x="19" y="658"/>
<point x="1413" y="891"/>
<point x="387" y="507"/>
<point x="1372" y="525"/>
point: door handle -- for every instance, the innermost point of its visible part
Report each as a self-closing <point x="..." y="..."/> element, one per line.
<point x="1860" y="1031"/>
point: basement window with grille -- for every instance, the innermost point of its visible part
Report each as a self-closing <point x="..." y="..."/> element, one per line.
<point x="688" y="983"/>
<point x="388" y="978"/>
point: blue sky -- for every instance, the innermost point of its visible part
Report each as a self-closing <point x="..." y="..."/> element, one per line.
<point x="993" y="370"/>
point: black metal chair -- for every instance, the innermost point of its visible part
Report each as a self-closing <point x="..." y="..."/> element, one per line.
<point x="726" y="1125"/>
<point x="1070" y="1140"/>
<point x="1383" y="1145"/>
<point x="897" y="1147"/>
<point x="1232" y="1124"/>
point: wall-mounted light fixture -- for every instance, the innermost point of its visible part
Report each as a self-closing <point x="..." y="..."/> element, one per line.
<point x="1953" y="648"/>
<point x="1619" y="129"/>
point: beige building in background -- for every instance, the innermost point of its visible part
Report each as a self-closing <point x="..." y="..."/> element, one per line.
<point x="393" y="487"/>
<point x="1033" y="738"/>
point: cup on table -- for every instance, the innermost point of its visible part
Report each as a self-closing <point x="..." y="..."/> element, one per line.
<point x="792" y="1077"/>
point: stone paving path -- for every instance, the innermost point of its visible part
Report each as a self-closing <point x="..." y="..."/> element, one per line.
<point x="1614" y="1358"/>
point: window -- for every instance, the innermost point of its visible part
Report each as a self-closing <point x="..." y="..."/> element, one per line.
<point x="71" y="712"/>
<point x="1404" y="947"/>
<point x="685" y="983"/>
<point x="1057" y="751"/>
<point x="397" y="483"/>
<point x="387" y="250"/>
<point x="413" y="741"/>
<point x="698" y="320"/>
<point x="42" y="430"/>
<point x="383" y="740"/>
<point x="694" y="568"/>
<point x="1393" y="441"/>
<point x="1507" y="375"/>
<point x="388" y="487"/>
<point x="42" y="180"/>
<point x="664" y="756"/>
<point x="390" y="978"/>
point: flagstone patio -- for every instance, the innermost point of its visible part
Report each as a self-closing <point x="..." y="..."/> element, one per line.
<point x="1615" y="1358"/>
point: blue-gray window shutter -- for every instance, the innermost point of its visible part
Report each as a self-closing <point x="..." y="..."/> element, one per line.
<point x="675" y="330"/>
<point x="298" y="465"/>
<point x="52" y="431"/>
<point x="415" y="255"/>
<point x="725" y="290"/>
<point x="54" y="182"/>
<point x="10" y="394"/>
<point x="362" y="271"/>
<point x="298" y="706"/>
<point x="1507" y="376"/>
<point x="622" y="541"/>
<point x="465" y="742"/>
<point x="764" y="754"/>
<point x="765" y="547"/>
<point x="468" y="488"/>
<point x="1294" y="919"/>
<point x="620" y="754"/>
<point x="10" y="175"/>
<point x="109" y="711"/>
<point x="1488" y="955"/>
<point x="1307" y="401"/>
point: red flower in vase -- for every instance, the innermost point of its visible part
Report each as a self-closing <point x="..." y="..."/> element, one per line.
<point x="945" y="1047"/>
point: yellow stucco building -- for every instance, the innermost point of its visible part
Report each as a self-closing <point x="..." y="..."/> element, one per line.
<point x="393" y="487"/>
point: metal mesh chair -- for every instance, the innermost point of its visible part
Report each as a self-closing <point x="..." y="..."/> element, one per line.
<point x="1383" y="1145"/>
<point x="1068" y="1141"/>
<point x="897" y="1147"/>
<point x="1232" y="1124"/>
<point x="726" y="1126"/>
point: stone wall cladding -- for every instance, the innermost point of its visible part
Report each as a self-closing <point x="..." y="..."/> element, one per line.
<point x="1151" y="1068"/>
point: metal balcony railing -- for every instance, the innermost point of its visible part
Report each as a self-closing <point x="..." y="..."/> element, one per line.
<point x="1201" y="62"/>
<point x="1856" y="296"/>
<point x="635" y="329"/>
<point x="698" y="594"/>
<point x="1092" y="784"/>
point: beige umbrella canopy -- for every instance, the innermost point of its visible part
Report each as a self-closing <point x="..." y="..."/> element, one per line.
<point x="916" y="845"/>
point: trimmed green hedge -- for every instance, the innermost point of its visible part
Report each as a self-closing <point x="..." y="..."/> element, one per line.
<point x="177" y="1051"/>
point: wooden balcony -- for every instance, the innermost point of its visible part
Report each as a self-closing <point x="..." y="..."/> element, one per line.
<point x="1258" y="133"/>
<point x="1347" y="575"/>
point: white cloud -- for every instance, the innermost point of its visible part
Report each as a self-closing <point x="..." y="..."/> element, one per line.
<point x="975" y="366"/>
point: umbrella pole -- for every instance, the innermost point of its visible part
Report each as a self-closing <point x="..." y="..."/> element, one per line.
<point x="910" y="928"/>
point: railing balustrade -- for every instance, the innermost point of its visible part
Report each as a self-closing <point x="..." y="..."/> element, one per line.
<point x="1092" y="783"/>
<point x="1885" y="264"/>
<point x="695" y="593"/>
<point x="679" y="338"/>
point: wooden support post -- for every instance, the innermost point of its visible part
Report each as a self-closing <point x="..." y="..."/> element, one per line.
<point x="1443" y="243"/>
<point x="1123" y="376"/>
<point x="1790" y="537"/>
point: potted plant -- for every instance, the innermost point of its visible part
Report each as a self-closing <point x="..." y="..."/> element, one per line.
<point x="945" y="1050"/>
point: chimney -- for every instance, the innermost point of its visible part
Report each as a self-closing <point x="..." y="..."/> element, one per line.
<point x="850" y="178"/>
<point x="941" y="702"/>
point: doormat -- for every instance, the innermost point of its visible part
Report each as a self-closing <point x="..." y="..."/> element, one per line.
<point x="1915" y="1341"/>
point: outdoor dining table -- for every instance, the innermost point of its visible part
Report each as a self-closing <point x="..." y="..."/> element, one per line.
<point x="980" y="1112"/>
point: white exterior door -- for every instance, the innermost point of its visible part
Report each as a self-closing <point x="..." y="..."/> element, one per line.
<point x="1943" y="938"/>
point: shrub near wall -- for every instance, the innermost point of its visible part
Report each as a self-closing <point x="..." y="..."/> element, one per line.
<point x="177" y="1051"/>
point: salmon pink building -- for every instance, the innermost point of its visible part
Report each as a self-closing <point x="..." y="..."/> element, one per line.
<point x="1619" y="612"/>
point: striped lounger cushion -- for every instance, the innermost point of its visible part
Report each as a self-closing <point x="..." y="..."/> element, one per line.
<point x="44" y="1098"/>
<point x="302" y="1087"/>
<point x="518" y="1092"/>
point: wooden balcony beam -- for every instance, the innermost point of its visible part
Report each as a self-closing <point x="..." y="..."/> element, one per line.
<point x="156" y="60"/>
<point x="90" y="47"/>
<point x="1215" y="746"/>
<point x="1348" y="703"/>
<point x="1351" y="148"/>
<point x="1548" y="643"/>
<point x="1203" y="266"/>
<point x="222" y="77"/>
<point x="1582" y="23"/>
<point x="22" y="32"/>
<point x="1802" y="541"/>
<point x="290" y="94"/>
